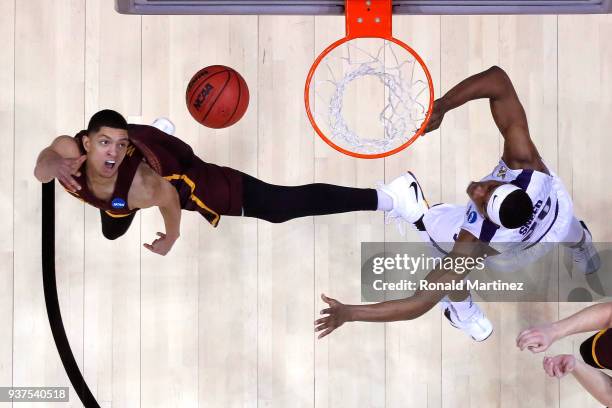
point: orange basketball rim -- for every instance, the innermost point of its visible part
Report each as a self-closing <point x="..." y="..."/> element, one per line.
<point x="368" y="19"/>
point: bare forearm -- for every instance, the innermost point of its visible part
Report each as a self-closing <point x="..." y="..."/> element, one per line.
<point x="409" y="308"/>
<point x="44" y="170"/>
<point x="171" y="212"/>
<point x="417" y="305"/>
<point x="598" y="384"/>
<point x="486" y="84"/>
<point x="392" y="311"/>
<point x="592" y="318"/>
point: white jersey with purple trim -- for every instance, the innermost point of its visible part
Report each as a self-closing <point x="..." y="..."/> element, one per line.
<point x="553" y="213"/>
<point x="551" y="204"/>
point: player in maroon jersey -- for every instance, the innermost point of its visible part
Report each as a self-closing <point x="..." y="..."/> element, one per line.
<point x="120" y="168"/>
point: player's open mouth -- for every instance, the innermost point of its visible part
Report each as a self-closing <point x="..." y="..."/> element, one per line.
<point x="109" y="164"/>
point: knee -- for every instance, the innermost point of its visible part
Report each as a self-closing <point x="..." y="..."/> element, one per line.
<point x="272" y="217"/>
<point x="111" y="235"/>
<point x="275" y="219"/>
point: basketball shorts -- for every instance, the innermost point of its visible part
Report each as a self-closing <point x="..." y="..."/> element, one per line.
<point x="209" y="189"/>
<point x="596" y="351"/>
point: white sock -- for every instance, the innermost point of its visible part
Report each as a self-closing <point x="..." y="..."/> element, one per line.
<point x="465" y="308"/>
<point x="575" y="233"/>
<point x="385" y="202"/>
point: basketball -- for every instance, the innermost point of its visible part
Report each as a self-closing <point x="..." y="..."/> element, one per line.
<point x="217" y="96"/>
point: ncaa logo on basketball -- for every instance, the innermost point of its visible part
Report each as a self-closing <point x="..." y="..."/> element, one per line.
<point x="471" y="218"/>
<point x="118" y="203"/>
<point x="202" y="96"/>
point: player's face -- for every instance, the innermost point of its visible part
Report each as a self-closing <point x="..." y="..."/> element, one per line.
<point x="106" y="150"/>
<point x="480" y="192"/>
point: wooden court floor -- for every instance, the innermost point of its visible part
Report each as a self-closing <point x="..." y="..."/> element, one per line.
<point x="225" y="320"/>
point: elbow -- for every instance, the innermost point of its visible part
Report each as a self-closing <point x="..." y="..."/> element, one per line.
<point x="498" y="72"/>
<point x="497" y="69"/>
<point x="412" y="316"/>
<point x="500" y="76"/>
<point x="501" y="85"/>
<point x="39" y="176"/>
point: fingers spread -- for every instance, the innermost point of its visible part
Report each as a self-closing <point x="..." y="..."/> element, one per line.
<point x="321" y="320"/>
<point x="325" y="333"/>
<point x="321" y="327"/>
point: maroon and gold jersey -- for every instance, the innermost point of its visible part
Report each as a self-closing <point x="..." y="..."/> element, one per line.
<point x="209" y="189"/>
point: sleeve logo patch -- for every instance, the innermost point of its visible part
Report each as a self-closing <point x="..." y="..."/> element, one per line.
<point x="118" y="203"/>
<point x="471" y="218"/>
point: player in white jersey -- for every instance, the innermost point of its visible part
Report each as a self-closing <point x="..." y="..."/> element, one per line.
<point x="519" y="204"/>
<point x="549" y="207"/>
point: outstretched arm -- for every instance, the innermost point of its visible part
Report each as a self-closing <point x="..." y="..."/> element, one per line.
<point x="402" y="309"/>
<point x="597" y="383"/>
<point x="538" y="339"/>
<point x="508" y="114"/>
<point x="61" y="160"/>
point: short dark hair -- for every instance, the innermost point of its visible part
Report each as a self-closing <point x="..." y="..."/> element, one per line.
<point x="108" y="118"/>
<point x="516" y="210"/>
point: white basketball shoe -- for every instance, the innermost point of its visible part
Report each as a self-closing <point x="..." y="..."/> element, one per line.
<point x="477" y="326"/>
<point x="585" y="256"/>
<point x="408" y="200"/>
<point x="165" y="125"/>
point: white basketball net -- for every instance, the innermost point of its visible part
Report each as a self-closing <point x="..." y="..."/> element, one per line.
<point x="396" y="96"/>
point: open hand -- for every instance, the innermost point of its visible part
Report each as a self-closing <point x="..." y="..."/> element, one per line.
<point x="536" y="339"/>
<point x="161" y="245"/>
<point x="559" y="366"/>
<point x="437" y="114"/>
<point x="337" y="316"/>
<point x="66" y="168"/>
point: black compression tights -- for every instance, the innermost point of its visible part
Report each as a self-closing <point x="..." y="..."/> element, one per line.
<point x="282" y="203"/>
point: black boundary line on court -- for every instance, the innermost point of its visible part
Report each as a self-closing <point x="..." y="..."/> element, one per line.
<point x="51" y="298"/>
